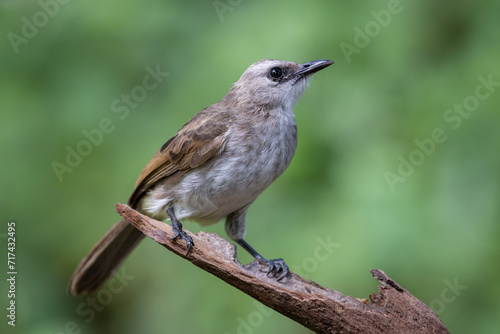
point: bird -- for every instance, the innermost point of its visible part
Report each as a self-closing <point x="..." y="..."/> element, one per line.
<point x="213" y="168"/>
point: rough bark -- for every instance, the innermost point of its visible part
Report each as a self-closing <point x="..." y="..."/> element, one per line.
<point x="322" y="310"/>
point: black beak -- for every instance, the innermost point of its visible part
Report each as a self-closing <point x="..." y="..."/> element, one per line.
<point x="312" y="67"/>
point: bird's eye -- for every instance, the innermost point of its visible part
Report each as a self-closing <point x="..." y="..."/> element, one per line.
<point x="276" y="73"/>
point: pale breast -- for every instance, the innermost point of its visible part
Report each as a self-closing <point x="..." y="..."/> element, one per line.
<point x="255" y="154"/>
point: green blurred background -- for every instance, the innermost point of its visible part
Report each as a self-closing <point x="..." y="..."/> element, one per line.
<point x="399" y="68"/>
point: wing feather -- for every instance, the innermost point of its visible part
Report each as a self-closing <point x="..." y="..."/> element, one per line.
<point x="195" y="143"/>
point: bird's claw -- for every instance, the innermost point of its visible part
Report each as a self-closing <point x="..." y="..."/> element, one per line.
<point x="178" y="232"/>
<point x="275" y="267"/>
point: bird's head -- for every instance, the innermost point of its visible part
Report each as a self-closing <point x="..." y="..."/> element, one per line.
<point x="269" y="83"/>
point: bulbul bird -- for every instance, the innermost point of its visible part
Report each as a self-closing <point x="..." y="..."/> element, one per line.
<point x="213" y="168"/>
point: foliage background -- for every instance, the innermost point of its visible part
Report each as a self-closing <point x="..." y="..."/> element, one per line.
<point x="438" y="228"/>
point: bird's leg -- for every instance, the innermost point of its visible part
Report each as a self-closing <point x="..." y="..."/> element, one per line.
<point x="275" y="265"/>
<point x="177" y="229"/>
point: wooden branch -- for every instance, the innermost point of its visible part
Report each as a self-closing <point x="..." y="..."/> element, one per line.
<point x="322" y="310"/>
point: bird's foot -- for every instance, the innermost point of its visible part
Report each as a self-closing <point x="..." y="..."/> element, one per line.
<point x="178" y="232"/>
<point x="277" y="266"/>
<point x="177" y="229"/>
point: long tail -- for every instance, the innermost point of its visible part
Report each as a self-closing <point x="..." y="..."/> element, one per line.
<point x="104" y="258"/>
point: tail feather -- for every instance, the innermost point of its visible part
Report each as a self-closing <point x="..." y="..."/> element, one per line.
<point x="104" y="258"/>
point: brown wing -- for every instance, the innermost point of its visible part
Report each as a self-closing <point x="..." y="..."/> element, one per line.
<point x="195" y="143"/>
